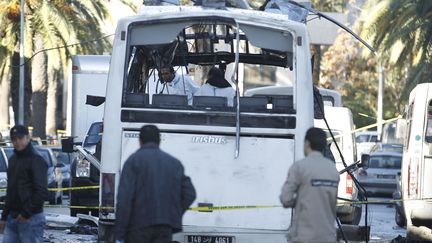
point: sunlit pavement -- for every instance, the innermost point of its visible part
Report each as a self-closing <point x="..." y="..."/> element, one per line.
<point x="380" y="218"/>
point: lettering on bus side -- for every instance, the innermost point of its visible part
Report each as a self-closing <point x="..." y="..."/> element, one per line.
<point x="209" y="139"/>
<point x="131" y="135"/>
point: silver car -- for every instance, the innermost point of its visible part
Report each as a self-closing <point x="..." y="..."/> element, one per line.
<point x="381" y="175"/>
<point x="3" y="174"/>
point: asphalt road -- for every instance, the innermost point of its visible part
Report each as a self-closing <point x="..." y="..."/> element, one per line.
<point x="380" y="218"/>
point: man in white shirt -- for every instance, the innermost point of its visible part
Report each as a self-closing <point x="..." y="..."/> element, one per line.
<point x="173" y="83"/>
<point x="217" y="85"/>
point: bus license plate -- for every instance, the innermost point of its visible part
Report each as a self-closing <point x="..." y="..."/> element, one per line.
<point x="209" y="239"/>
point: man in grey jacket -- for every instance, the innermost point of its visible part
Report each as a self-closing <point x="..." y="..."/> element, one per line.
<point x="153" y="193"/>
<point x="311" y="189"/>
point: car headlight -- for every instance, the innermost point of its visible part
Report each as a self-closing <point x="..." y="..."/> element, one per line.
<point x="83" y="168"/>
<point x="3" y="183"/>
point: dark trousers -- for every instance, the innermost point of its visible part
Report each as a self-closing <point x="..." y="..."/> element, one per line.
<point x="151" y="234"/>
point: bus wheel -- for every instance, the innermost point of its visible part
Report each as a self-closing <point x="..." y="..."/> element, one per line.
<point x="400" y="219"/>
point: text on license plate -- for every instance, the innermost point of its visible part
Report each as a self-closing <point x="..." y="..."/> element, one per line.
<point x="386" y="176"/>
<point x="209" y="239"/>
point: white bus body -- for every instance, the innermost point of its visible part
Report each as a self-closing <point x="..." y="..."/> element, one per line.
<point x="341" y="123"/>
<point x="231" y="161"/>
<point x="89" y="77"/>
<point x="416" y="183"/>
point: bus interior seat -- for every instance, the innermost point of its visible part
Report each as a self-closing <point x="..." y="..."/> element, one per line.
<point x="264" y="103"/>
<point x="283" y="103"/>
<point x="253" y="103"/>
<point x="136" y="100"/>
<point x="210" y="102"/>
<point x="169" y="100"/>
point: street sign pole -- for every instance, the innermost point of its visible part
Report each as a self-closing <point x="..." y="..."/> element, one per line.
<point x="21" y="76"/>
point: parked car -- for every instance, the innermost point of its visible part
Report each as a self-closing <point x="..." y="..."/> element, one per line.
<point x="380" y="176"/>
<point x="387" y="147"/>
<point x="365" y="141"/>
<point x="66" y="159"/>
<point x="54" y="173"/>
<point x="3" y="175"/>
<point x="83" y="173"/>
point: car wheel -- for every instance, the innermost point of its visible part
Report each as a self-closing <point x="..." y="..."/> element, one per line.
<point x="352" y="218"/>
<point x="400" y="219"/>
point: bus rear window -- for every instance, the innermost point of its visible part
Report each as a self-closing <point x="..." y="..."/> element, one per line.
<point x="385" y="162"/>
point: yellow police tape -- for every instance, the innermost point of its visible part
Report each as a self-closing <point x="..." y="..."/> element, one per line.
<point x="376" y="124"/>
<point x="67" y="188"/>
<point x="222" y="208"/>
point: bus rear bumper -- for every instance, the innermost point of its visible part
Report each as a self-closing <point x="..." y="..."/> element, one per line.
<point x="192" y="234"/>
<point x="422" y="211"/>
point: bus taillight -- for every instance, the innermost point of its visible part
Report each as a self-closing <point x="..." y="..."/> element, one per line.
<point x="349" y="184"/>
<point x="412" y="177"/>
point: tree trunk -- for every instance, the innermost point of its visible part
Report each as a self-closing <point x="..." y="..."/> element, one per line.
<point x="14" y="87"/>
<point x="39" y="86"/>
<point x="4" y="101"/>
<point x="316" y="52"/>
<point x="51" y="115"/>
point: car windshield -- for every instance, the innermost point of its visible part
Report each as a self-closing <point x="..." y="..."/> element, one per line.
<point x="362" y="138"/>
<point x="94" y="135"/>
<point x="385" y="162"/>
<point x="397" y="148"/>
<point x="3" y="167"/>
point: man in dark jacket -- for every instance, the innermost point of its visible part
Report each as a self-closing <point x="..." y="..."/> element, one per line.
<point x="153" y="193"/>
<point x="23" y="219"/>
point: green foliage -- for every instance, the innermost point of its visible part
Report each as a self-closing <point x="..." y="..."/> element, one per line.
<point x="344" y="68"/>
<point x="329" y="5"/>
<point x="404" y="29"/>
<point x="60" y="23"/>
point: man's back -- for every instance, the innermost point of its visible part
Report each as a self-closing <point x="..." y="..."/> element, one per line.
<point x="315" y="206"/>
<point x="154" y="191"/>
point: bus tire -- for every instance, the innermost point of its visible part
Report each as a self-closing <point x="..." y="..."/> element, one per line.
<point x="400" y="219"/>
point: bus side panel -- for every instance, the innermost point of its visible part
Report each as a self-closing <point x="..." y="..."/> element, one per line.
<point x="426" y="178"/>
<point x="253" y="179"/>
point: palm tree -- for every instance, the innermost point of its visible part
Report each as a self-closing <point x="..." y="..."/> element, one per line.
<point x="50" y="24"/>
<point x="403" y="30"/>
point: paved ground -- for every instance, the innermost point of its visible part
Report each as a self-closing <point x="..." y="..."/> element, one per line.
<point x="382" y="222"/>
<point x="380" y="217"/>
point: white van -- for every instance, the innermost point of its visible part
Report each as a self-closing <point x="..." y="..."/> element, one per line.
<point x="89" y="77"/>
<point x="416" y="184"/>
<point x="341" y="124"/>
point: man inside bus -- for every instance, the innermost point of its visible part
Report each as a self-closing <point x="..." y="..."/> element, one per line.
<point x="311" y="189"/>
<point x="173" y="83"/>
<point x="217" y="85"/>
<point x="153" y="193"/>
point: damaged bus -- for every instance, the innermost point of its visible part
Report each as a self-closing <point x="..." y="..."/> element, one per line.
<point x="237" y="156"/>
